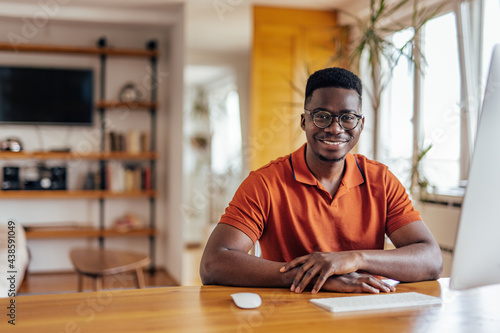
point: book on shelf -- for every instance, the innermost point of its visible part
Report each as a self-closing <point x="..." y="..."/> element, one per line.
<point x="132" y="141"/>
<point x="145" y="142"/>
<point x="92" y="181"/>
<point x="146" y="178"/>
<point x="125" y="177"/>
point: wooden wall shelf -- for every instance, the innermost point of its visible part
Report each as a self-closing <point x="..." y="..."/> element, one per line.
<point x="39" y="155"/>
<point x="128" y="105"/>
<point x="78" y="50"/>
<point x="117" y="155"/>
<point x="74" y="194"/>
<point x="42" y="233"/>
<point x="103" y="52"/>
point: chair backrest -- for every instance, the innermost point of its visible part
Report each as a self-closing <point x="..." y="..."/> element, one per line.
<point x="14" y="257"/>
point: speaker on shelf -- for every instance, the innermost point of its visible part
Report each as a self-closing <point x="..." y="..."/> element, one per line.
<point x="32" y="185"/>
<point x="44" y="177"/>
<point x="11" y="179"/>
<point x="58" y="178"/>
<point x="53" y="178"/>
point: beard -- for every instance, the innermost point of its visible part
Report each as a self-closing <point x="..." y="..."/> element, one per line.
<point x="331" y="160"/>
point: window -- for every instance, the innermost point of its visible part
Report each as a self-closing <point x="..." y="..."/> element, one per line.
<point x="440" y="103"/>
<point x="491" y="26"/>
<point x="439" y="116"/>
<point x="441" y="98"/>
<point x="226" y="140"/>
<point x="396" y="125"/>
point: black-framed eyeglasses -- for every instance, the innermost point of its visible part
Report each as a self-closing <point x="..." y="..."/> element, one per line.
<point x="323" y="119"/>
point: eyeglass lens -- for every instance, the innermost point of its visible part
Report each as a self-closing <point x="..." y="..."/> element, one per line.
<point x="323" y="119"/>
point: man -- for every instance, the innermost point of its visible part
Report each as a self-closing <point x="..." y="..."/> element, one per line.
<point x="320" y="214"/>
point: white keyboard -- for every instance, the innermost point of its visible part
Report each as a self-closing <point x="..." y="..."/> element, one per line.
<point x="375" y="302"/>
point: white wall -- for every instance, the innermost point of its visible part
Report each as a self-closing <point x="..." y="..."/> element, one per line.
<point x="83" y="28"/>
<point x="442" y="219"/>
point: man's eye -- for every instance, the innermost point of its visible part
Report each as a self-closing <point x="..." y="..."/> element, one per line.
<point x="322" y="116"/>
<point x="348" y="117"/>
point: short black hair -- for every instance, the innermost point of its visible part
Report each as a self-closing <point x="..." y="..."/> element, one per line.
<point x="335" y="77"/>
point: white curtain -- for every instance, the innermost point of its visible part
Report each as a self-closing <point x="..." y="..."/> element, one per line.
<point x="470" y="39"/>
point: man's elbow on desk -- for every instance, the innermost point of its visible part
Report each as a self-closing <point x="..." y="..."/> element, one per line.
<point x="435" y="265"/>
<point x="434" y="261"/>
<point x="417" y="256"/>
<point x="208" y="271"/>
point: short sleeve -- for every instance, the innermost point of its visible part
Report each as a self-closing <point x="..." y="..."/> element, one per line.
<point x="249" y="207"/>
<point x="400" y="210"/>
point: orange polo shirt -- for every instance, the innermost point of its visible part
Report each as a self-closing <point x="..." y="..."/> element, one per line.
<point x="291" y="214"/>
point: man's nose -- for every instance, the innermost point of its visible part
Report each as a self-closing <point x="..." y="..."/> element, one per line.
<point x="334" y="126"/>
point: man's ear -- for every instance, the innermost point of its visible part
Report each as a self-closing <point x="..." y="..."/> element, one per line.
<point x="362" y="125"/>
<point x="303" y="121"/>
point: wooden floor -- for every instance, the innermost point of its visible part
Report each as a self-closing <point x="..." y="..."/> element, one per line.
<point x="66" y="282"/>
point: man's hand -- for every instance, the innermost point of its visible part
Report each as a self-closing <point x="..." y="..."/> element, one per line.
<point x="357" y="283"/>
<point x="321" y="265"/>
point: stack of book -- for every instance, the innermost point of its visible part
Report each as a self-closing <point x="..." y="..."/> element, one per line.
<point x="122" y="177"/>
<point x="132" y="141"/>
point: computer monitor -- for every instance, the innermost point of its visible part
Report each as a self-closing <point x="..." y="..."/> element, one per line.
<point x="476" y="260"/>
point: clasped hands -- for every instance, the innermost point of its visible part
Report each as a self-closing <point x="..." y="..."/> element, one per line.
<point x="333" y="271"/>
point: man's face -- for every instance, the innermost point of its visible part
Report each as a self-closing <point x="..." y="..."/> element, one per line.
<point x="332" y="143"/>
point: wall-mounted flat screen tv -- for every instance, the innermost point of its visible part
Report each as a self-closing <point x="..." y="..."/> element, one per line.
<point x="46" y="96"/>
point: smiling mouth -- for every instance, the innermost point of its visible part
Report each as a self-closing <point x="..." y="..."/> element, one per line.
<point x="333" y="143"/>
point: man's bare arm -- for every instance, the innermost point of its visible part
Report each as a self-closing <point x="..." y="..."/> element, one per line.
<point x="226" y="261"/>
<point x="417" y="257"/>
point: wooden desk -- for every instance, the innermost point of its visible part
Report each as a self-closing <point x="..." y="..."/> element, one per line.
<point x="210" y="309"/>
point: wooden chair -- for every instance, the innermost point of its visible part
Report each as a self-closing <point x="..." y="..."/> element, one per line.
<point x="97" y="263"/>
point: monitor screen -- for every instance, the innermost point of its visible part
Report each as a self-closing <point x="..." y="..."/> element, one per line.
<point x="55" y="96"/>
<point x="476" y="258"/>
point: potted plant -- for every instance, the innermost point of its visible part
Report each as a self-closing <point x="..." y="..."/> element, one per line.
<point x="418" y="178"/>
<point x="201" y="131"/>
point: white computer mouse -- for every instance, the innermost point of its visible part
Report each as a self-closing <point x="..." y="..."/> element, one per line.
<point x="246" y="300"/>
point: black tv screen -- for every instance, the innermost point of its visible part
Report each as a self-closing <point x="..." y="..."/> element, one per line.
<point x="51" y="96"/>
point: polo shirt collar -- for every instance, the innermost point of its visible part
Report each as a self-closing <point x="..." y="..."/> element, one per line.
<point x="353" y="175"/>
